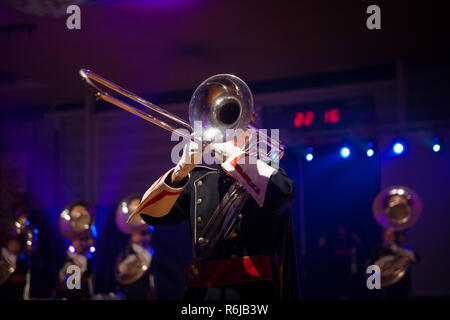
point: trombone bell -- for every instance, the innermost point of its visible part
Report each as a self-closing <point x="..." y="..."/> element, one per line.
<point x="220" y="103"/>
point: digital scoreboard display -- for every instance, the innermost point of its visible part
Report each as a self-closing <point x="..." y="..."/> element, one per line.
<point x="320" y="114"/>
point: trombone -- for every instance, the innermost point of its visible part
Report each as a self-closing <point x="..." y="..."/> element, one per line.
<point x="220" y="103"/>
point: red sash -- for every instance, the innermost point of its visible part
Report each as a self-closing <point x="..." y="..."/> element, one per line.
<point x="15" y="277"/>
<point x="234" y="270"/>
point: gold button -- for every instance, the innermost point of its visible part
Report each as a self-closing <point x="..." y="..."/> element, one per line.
<point x="199" y="200"/>
<point x="199" y="219"/>
<point x="199" y="184"/>
<point x="240" y="216"/>
<point x="201" y="240"/>
<point x="194" y="270"/>
<point x="233" y="235"/>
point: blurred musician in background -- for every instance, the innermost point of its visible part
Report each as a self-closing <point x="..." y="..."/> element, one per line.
<point x="394" y="245"/>
<point x="14" y="267"/>
<point x="396" y="209"/>
<point x="79" y="254"/>
<point x="77" y="224"/>
<point x="134" y="267"/>
<point x="19" y="241"/>
<point x="347" y="264"/>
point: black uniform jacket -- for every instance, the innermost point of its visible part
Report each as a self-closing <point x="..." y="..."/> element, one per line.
<point x="265" y="230"/>
<point x="13" y="287"/>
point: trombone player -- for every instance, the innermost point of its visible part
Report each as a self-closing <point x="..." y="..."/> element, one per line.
<point x="239" y="213"/>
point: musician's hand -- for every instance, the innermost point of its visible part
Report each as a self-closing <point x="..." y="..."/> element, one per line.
<point x="192" y="156"/>
<point x="233" y="147"/>
<point x="408" y="253"/>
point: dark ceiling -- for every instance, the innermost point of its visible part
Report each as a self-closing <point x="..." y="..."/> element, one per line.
<point x="162" y="46"/>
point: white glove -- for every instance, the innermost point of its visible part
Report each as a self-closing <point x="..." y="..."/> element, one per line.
<point x="191" y="157"/>
<point x="404" y="252"/>
<point x="231" y="148"/>
<point x="125" y="264"/>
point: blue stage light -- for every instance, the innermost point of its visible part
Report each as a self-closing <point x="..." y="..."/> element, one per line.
<point x="91" y="249"/>
<point x="93" y="231"/>
<point x="370" y="151"/>
<point x="309" y="156"/>
<point x="398" y="148"/>
<point x="436" y="145"/>
<point x="72" y="249"/>
<point x="345" y="152"/>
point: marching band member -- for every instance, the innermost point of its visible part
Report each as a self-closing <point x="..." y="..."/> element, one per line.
<point x="250" y="252"/>
<point x="19" y="242"/>
<point x="79" y="254"/>
<point x="394" y="243"/>
<point x="76" y="223"/>
<point x="396" y="209"/>
<point x="134" y="267"/>
<point x="15" y="266"/>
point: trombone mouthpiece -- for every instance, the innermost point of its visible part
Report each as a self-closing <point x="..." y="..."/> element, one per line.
<point x="83" y="73"/>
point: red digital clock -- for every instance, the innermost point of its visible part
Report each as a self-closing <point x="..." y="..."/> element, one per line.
<point x="321" y="114"/>
<point x="306" y="118"/>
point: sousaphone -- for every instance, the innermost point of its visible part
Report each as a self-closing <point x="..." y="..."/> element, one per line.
<point x="132" y="266"/>
<point x="76" y="221"/>
<point x="124" y="210"/>
<point x="20" y="229"/>
<point x="397" y="208"/>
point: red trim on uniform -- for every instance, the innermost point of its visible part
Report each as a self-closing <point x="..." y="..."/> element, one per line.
<point x="85" y="277"/>
<point x="234" y="270"/>
<point x="16" y="278"/>
<point x="241" y="171"/>
<point x="159" y="197"/>
<point x="157" y="182"/>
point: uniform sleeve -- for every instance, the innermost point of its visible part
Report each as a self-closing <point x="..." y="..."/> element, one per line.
<point x="178" y="213"/>
<point x="163" y="203"/>
<point x="280" y="192"/>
